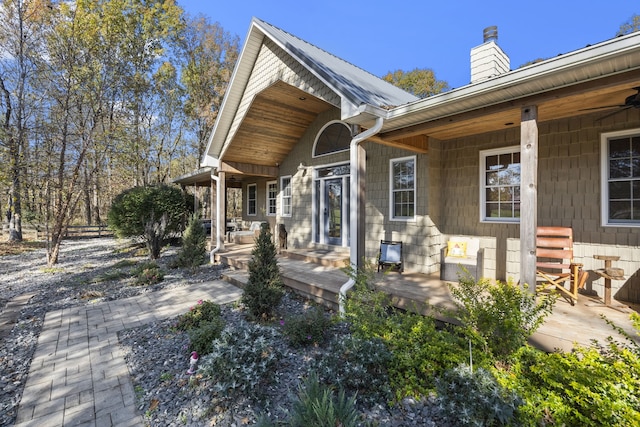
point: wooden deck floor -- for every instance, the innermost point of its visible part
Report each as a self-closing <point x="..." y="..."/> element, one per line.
<point x="568" y="325"/>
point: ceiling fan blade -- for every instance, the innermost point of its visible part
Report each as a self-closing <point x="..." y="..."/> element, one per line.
<point x="612" y="114"/>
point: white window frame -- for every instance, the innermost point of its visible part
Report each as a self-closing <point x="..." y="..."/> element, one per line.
<point x="604" y="178"/>
<point x="255" y="201"/>
<point x="392" y="190"/>
<point x="286" y="198"/>
<point x="272" y="198"/>
<point x="319" y="134"/>
<point x="483" y="184"/>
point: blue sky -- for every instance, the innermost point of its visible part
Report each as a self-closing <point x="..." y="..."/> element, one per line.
<point x="381" y="36"/>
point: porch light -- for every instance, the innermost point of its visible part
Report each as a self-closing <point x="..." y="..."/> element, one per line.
<point x="302" y="166"/>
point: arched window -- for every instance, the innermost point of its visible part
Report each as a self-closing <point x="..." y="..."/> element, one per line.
<point x="333" y="137"/>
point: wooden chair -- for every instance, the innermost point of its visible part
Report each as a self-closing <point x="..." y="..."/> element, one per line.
<point x="390" y="254"/>
<point x="554" y="262"/>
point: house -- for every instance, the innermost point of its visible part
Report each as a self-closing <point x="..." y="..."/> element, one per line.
<point x="342" y="158"/>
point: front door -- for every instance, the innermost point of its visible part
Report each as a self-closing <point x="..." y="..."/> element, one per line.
<point x="333" y="211"/>
<point x="332" y="205"/>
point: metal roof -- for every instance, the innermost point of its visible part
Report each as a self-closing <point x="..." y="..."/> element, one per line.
<point x="354" y="85"/>
<point x="365" y="96"/>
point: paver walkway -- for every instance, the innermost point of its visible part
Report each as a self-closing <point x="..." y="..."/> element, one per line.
<point x="78" y="375"/>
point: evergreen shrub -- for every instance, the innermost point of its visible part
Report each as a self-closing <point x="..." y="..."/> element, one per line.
<point x="264" y="289"/>
<point x="193" y="251"/>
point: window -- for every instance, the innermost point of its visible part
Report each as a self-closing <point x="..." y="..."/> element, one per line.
<point x="285" y="185"/>
<point x="272" y="197"/>
<point x="252" y="201"/>
<point x="500" y="185"/>
<point x="621" y="178"/>
<point x="333" y="137"/>
<point x="403" y="188"/>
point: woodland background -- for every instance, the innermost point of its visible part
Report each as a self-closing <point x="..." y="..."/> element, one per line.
<point x="99" y="96"/>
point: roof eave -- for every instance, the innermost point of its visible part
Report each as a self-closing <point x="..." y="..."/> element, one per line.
<point x="234" y="93"/>
<point x="545" y="75"/>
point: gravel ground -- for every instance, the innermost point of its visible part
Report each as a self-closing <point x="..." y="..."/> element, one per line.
<point x="157" y="354"/>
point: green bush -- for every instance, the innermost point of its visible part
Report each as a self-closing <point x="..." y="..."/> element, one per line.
<point x="357" y="365"/>
<point x="242" y="360"/>
<point x="147" y="274"/>
<point x="318" y="405"/>
<point x="203" y="311"/>
<point x="264" y="289"/>
<point x="193" y="251"/>
<point x="306" y="329"/>
<point x="502" y="315"/>
<point x="586" y="387"/>
<point x="202" y="337"/>
<point x="152" y="213"/>
<point x="420" y="350"/>
<point x="474" y="398"/>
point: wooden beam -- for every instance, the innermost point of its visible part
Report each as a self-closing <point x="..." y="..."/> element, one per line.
<point x="417" y="143"/>
<point x="237" y="168"/>
<point x="528" y="195"/>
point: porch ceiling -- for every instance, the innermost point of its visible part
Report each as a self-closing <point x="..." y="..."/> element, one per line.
<point x="274" y="123"/>
<point x="586" y="98"/>
<point x="279" y="116"/>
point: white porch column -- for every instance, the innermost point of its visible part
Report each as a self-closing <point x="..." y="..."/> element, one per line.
<point x="528" y="195"/>
<point x="221" y="210"/>
<point x="358" y="217"/>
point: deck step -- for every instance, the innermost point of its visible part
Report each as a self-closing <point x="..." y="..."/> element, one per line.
<point x="323" y="257"/>
<point x="326" y="296"/>
<point x="318" y="281"/>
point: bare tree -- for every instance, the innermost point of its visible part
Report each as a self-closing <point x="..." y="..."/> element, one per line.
<point x="209" y="55"/>
<point x="21" y="31"/>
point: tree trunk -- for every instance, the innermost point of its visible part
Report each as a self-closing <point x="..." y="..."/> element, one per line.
<point x="86" y="192"/>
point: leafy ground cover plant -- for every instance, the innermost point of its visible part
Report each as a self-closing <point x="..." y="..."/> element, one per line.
<point x="203" y="311"/>
<point x="305" y="329"/>
<point x="202" y="337"/>
<point x="421" y="350"/>
<point x="357" y="365"/>
<point x="469" y="397"/>
<point x="148" y="273"/>
<point x="583" y="388"/>
<point x="502" y="315"/>
<point x="242" y="360"/>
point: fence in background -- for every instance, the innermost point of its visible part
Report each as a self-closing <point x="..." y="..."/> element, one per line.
<point x="37" y="232"/>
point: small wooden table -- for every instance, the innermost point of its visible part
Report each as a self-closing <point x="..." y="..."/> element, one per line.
<point x="609" y="274"/>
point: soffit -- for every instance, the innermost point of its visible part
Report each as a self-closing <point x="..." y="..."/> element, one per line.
<point x="274" y="123"/>
<point x="581" y="99"/>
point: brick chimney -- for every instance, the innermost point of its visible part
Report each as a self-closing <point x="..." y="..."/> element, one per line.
<point x="488" y="60"/>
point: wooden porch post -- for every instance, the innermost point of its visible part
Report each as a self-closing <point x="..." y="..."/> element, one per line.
<point x="528" y="195"/>
<point x="360" y="209"/>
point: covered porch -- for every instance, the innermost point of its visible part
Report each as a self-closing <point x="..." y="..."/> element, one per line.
<point x="317" y="274"/>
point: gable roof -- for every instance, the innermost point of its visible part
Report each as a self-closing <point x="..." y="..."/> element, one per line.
<point x="352" y="84"/>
